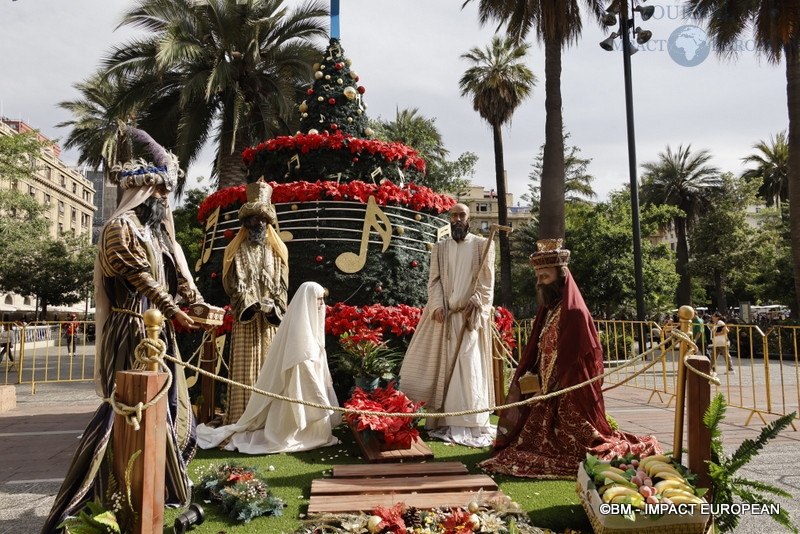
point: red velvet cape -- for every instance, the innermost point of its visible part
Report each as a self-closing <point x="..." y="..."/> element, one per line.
<point x="580" y="358"/>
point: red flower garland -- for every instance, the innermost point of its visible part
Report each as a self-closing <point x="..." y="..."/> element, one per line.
<point x="415" y="196"/>
<point x="336" y="141"/>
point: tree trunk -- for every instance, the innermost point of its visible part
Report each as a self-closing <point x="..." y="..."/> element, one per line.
<point x="230" y="170"/>
<point x="551" y="206"/>
<point x="506" y="300"/>
<point x="684" y="294"/>
<point x="722" y="303"/>
<point x="793" y="101"/>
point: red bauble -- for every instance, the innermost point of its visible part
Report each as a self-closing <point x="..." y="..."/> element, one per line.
<point x="354" y="159"/>
<point x="414" y="263"/>
<point x="331" y="101"/>
<point x="311" y="91"/>
<point x="213" y="275"/>
<point x="356" y="78"/>
<point x="319" y="259"/>
<point x="361" y="89"/>
<point x="338" y="65"/>
<point x="378" y="289"/>
<point x="334" y="126"/>
<point x="229" y="234"/>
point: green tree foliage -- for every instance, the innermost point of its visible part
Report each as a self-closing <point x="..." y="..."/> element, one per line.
<point x="773" y="280"/>
<point x="231" y="70"/>
<point x="557" y="25"/>
<point x="775" y="30"/>
<point x="56" y="271"/>
<point x="497" y="82"/>
<point x="682" y="179"/>
<point x="18" y="153"/>
<point x="577" y="180"/>
<point x="420" y="133"/>
<point x="606" y="279"/>
<point x="98" y="124"/>
<point x="722" y="240"/>
<point x="771" y="169"/>
<point x="188" y="232"/>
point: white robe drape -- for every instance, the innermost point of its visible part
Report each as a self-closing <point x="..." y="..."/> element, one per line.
<point x="426" y="371"/>
<point x="296" y="366"/>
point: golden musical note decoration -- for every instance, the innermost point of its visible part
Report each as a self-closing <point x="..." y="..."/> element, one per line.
<point x="443" y="231"/>
<point x="284" y="236"/>
<point x="328" y="87"/>
<point x="338" y="177"/>
<point x="377" y="172"/>
<point x="205" y="254"/>
<point x="321" y="118"/>
<point x="294" y="159"/>
<point x="348" y="262"/>
<point x="331" y="50"/>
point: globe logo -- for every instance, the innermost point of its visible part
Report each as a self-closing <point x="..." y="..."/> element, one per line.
<point x="688" y="46"/>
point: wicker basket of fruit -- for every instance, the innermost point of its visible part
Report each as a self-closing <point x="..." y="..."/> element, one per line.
<point x="651" y="495"/>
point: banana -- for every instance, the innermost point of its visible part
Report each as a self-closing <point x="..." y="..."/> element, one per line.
<point x="663" y="475"/>
<point x="686" y="499"/>
<point x="666" y="484"/>
<point x="602" y="489"/>
<point x="602" y="468"/>
<point x="636" y="500"/>
<point x="610" y="475"/>
<point x="653" y="468"/>
<point x="671" y="492"/>
<point x="659" y="469"/>
<point x="615" y="491"/>
<point x="647" y="459"/>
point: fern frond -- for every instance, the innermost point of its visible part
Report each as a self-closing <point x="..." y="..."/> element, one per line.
<point x="749" y="448"/>
<point x="760" y="486"/>
<point x="714" y="415"/>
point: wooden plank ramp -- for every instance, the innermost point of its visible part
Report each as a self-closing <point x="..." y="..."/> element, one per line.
<point x="360" y="488"/>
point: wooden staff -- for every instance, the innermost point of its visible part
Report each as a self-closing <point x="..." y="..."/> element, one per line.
<point x="474" y="286"/>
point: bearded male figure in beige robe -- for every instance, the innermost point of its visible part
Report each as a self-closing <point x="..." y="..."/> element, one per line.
<point x="432" y="371"/>
<point x="255" y="275"/>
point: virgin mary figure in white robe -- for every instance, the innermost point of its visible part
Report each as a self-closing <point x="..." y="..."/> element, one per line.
<point x="296" y="366"/>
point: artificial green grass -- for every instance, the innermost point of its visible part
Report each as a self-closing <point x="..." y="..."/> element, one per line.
<point x="551" y="504"/>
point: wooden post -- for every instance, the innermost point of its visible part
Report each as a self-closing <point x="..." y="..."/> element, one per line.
<point x="685" y="313"/>
<point x="698" y="398"/>
<point x="147" y="475"/>
<point x="498" y="372"/>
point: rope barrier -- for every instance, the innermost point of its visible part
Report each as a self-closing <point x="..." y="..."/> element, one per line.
<point x="538" y="398"/>
<point x="133" y="414"/>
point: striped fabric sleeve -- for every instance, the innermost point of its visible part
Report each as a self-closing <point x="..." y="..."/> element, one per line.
<point x="187" y="290"/>
<point x="124" y="256"/>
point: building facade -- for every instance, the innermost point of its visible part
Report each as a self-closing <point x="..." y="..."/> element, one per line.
<point x="67" y="193"/>
<point x="484" y="211"/>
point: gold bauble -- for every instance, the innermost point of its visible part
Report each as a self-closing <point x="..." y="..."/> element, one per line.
<point x="294" y="207"/>
<point x="316" y="66"/>
<point x="348" y="61"/>
<point x="228" y="217"/>
<point x="339" y="81"/>
<point x="318" y="74"/>
<point x="327" y="76"/>
<point x="320" y="99"/>
<point x="429" y="246"/>
<point x="303" y="106"/>
<point x="313" y="131"/>
<point x="400" y="230"/>
<point x="417" y="217"/>
<point x="369" y="131"/>
<point x="305" y="115"/>
<point x="349" y="119"/>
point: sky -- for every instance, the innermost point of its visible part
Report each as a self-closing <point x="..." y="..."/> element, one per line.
<point x="408" y="55"/>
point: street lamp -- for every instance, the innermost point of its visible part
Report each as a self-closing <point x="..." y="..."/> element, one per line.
<point x="626" y="30"/>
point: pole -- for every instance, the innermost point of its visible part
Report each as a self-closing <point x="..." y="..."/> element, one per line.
<point x="625" y="25"/>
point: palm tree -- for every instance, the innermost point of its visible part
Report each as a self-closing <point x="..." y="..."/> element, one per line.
<point x="97" y="126"/>
<point x="577" y="180"/>
<point x="683" y="180"/>
<point x="771" y="169"/>
<point x="498" y="82"/>
<point x="557" y="24"/>
<point x="776" y="32"/>
<point x="233" y="68"/>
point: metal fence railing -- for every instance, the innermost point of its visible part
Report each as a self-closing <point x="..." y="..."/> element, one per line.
<point x="46" y="351"/>
<point x="765" y="380"/>
<point x="766" y="364"/>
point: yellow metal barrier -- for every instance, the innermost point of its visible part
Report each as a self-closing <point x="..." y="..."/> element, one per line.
<point x="43" y="352"/>
<point x="766" y="365"/>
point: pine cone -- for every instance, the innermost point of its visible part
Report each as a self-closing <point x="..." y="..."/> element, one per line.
<point x="412" y="518"/>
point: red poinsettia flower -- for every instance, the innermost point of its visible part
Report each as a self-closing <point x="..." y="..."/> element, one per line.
<point x="392" y="518"/>
<point x="457" y="522"/>
<point x="240" y="476"/>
